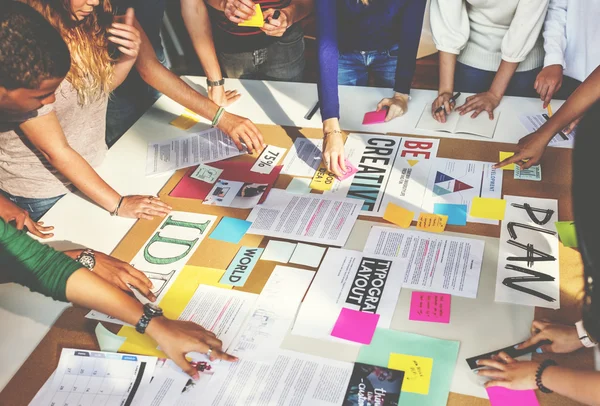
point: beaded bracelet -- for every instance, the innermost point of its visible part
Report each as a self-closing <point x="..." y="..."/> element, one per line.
<point x="538" y="375"/>
<point x="217" y="117"/>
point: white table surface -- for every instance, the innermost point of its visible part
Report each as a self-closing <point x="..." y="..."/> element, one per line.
<point x="26" y="317"/>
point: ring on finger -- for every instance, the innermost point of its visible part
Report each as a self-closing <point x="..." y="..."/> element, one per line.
<point x="210" y="350"/>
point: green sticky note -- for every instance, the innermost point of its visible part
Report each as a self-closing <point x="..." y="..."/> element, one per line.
<point x="443" y="352"/>
<point x="567" y="233"/>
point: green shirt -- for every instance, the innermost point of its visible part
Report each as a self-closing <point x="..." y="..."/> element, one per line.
<point x="33" y="264"/>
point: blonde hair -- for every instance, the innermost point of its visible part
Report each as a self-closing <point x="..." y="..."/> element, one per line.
<point x="91" y="70"/>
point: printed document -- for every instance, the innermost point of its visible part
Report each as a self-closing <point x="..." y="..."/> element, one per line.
<point x="534" y="121"/>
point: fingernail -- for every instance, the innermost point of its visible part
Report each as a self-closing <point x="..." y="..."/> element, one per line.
<point x="477" y="362"/>
<point x="539" y="350"/>
<point x="517" y="346"/>
<point x="196" y="376"/>
<point x="475" y="371"/>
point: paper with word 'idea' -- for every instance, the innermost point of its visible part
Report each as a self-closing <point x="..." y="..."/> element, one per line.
<point x="528" y="263"/>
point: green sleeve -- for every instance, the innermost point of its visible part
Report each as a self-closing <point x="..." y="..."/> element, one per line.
<point x="33" y="264"/>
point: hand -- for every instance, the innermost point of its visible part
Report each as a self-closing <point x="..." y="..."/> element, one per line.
<point x="564" y="338"/>
<point x="508" y="372"/>
<point x="333" y="147"/>
<point x="442" y="100"/>
<point x="222" y="98"/>
<point x="238" y="11"/>
<point x="397" y="106"/>
<point x="241" y="129"/>
<point x="143" y="207"/>
<point x="177" y="338"/>
<point x="548" y="82"/>
<point x="126" y="36"/>
<point x="276" y="27"/>
<point x="480" y="102"/>
<point x="530" y="150"/>
<point x="11" y="212"/>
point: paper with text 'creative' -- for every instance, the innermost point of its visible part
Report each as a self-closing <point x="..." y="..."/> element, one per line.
<point x="500" y="396"/>
<point x="206" y="173"/>
<point x="307" y="254"/>
<point x="375" y="117"/>
<point x="323" y="179"/>
<point x="300" y="186"/>
<point x="488" y="208"/>
<point x="278" y="251"/>
<point x="432" y="222"/>
<point x="268" y="159"/>
<point x="350" y="171"/>
<point x="230" y="229"/>
<point x="433" y="307"/>
<point x="532" y="173"/>
<point x="356" y="326"/>
<point x="505" y="155"/>
<point x="457" y="213"/>
<point x="257" y="20"/>
<point x="417" y="372"/>
<point x="567" y="233"/>
<point x="242" y="265"/>
<point x="398" y="215"/>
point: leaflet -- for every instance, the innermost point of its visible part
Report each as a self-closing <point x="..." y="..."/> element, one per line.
<point x="534" y="121"/>
<point x="167" y="385"/>
<point x="304" y="157"/>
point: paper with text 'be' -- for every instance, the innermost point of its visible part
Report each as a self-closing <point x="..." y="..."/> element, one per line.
<point x="323" y="179"/>
<point x="417" y="372"/>
<point x="350" y="170"/>
<point x="398" y="215"/>
<point x="488" y="208"/>
<point x="268" y="159"/>
<point x="457" y="213"/>
<point x="500" y="396"/>
<point x="433" y="307"/>
<point x="257" y="20"/>
<point x="567" y="233"/>
<point x="206" y="173"/>
<point x="355" y="326"/>
<point x="505" y="155"/>
<point x="375" y="117"/>
<point x="432" y="222"/>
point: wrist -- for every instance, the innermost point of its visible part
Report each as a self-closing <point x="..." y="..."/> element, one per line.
<point x="331" y="124"/>
<point x="73" y="253"/>
<point x="156" y="327"/>
<point x="401" y="96"/>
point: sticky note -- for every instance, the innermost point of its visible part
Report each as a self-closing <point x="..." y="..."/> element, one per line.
<point x="350" y="170"/>
<point x="457" y="213"/>
<point x="356" y="326"/>
<point x="488" y="208"/>
<point x="417" y="372"/>
<point x="300" y="186"/>
<point x="434" y="223"/>
<point x="500" y="396"/>
<point x="186" y="120"/>
<point x="503" y="156"/>
<point x="206" y="173"/>
<point x="322" y="179"/>
<point x="278" y="251"/>
<point x="307" y="254"/>
<point x="230" y="229"/>
<point x="257" y="20"/>
<point x="533" y="173"/>
<point x="108" y="341"/>
<point x="375" y="117"/>
<point x="432" y="307"/>
<point x="567" y="233"/>
<point x="242" y="265"/>
<point x="268" y="159"/>
<point x="398" y="215"/>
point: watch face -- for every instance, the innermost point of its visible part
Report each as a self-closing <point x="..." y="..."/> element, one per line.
<point x="87" y="260"/>
<point x="153" y="310"/>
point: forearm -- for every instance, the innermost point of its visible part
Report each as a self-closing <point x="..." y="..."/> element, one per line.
<point x="502" y="78"/>
<point x="582" y="386"/>
<point x="299" y="9"/>
<point x="408" y="45"/>
<point x="447" y="68"/>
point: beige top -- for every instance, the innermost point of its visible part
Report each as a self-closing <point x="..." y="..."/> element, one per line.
<point x="23" y="169"/>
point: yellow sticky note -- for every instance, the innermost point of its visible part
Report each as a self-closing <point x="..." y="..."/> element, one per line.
<point x="186" y="121"/>
<point x="417" y="372"/>
<point x="173" y="304"/>
<point x="435" y="223"/>
<point x="257" y="20"/>
<point x="398" y="215"/>
<point x="488" y="208"/>
<point x="503" y="156"/>
<point x="323" y="179"/>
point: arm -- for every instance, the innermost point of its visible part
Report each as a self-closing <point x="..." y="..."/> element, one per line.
<point x="11" y="212"/>
<point x="127" y="38"/>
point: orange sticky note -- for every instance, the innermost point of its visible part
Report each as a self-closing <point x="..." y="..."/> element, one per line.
<point x="488" y="208"/>
<point x="257" y="20"/>
<point x="398" y="215"/>
<point x="186" y="121"/>
<point x="436" y="223"/>
<point x="503" y="156"/>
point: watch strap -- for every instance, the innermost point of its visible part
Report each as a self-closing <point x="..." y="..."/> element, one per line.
<point x="213" y="83"/>
<point x="583" y="335"/>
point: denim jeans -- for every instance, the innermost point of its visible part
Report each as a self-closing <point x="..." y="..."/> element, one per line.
<point x="472" y="80"/>
<point x="36" y="207"/>
<point x="283" y="60"/>
<point x="354" y="67"/>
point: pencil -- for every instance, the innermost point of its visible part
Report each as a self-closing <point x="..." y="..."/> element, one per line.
<point x="549" y="110"/>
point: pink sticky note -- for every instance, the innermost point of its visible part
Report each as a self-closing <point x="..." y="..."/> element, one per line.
<point x="433" y="307"/>
<point x="506" y="397"/>
<point x="350" y="170"/>
<point x="375" y="117"/>
<point x="356" y="326"/>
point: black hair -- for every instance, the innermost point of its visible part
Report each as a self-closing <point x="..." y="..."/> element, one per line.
<point x="31" y="50"/>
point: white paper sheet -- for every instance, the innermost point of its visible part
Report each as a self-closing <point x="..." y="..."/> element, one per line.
<point x="299" y="186"/>
<point x="188" y="150"/>
<point x="532" y="122"/>
<point x="307" y="254"/>
<point x="278" y="251"/>
<point x="458" y="182"/>
<point x="304" y="157"/>
<point x="455" y="123"/>
<point x="167" y="385"/>
<point x="292" y="379"/>
<point x="268" y="159"/>
<point x="310" y="218"/>
<point x="390" y="169"/>
<point x="433" y="262"/>
<point x="353" y="280"/>
<point x="514" y="273"/>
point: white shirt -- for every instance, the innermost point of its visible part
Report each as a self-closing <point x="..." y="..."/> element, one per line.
<point x="572" y="36"/>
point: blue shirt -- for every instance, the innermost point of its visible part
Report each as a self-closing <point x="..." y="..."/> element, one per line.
<point x="349" y="25"/>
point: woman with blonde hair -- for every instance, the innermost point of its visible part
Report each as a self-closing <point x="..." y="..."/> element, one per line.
<point x="45" y="153"/>
<point x="358" y="38"/>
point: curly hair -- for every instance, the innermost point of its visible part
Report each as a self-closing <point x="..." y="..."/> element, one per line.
<point x="31" y="50"/>
<point x="91" y="64"/>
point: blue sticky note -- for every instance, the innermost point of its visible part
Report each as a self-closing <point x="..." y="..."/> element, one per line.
<point x="443" y="352"/>
<point x="230" y="229"/>
<point x="240" y="268"/>
<point x="457" y="213"/>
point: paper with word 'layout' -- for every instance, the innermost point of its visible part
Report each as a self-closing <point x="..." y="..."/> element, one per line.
<point x="528" y="263"/>
<point x="165" y="253"/>
<point x="354" y="280"/>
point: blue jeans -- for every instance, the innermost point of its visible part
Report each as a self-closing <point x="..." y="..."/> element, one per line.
<point x="354" y="67"/>
<point x="36" y="207"/>
<point x="472" y="80"/>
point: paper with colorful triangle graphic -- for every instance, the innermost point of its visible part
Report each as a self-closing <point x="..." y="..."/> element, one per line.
<point x="451" y="185"/>
<point x="257" y="20"/>
<point x="412" y="162"/>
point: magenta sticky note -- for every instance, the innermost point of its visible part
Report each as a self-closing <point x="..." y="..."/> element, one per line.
<point x="353" y="325"/>
<point x="500" y="396"/>
<point x="432" y="307"/>
<point x="350" y="170"/>
<point x="375" y="117"/>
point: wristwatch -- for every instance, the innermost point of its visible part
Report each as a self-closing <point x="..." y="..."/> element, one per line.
<point x="87" y="258"/>
<point x="583" y="335"/>
<point x="212" y="83"/>
<point x="150" y="311"/>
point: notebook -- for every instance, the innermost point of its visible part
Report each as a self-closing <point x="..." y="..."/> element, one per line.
<point x="455" y="123"/>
